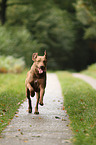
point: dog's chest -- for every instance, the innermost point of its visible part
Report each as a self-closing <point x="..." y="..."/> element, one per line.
<point x="36" y="85"/>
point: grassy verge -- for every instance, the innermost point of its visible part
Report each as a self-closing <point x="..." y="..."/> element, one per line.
<point x="91" y="71"/>
<point x="80" y="103"/>
<point x="12" y="94"/>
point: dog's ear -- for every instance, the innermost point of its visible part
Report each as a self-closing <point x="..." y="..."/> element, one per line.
<point x="45" y="54"/>
<point x="34" y="56"/>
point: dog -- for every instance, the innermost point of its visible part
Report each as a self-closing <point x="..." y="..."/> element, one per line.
<point x="36" y="81"/>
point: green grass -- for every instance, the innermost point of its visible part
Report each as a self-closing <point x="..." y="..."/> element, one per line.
<point x="80" y="103"/>
<point x="91" y="71"/>
<point x="12" y="94"/>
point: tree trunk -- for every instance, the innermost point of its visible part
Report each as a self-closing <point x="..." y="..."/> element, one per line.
<point x="3" y="11"/>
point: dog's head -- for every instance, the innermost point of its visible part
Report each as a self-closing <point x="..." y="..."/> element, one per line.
<point x="40" y="62"/>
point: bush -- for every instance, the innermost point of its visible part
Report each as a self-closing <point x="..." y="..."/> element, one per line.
<point x="92" y="67"/>
<point x="11" y="64"/>
<point x="18" y="42"/>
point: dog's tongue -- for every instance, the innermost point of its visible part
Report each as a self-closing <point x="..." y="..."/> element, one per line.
<point x="40" y="71"/>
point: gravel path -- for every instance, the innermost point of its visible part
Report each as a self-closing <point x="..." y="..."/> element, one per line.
<point x="50" y="127"/>
<point x="87" y="79"/>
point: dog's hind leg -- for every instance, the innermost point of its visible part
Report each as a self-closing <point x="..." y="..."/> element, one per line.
<point x="29" y="101"/>
<point x="36" y="107"/>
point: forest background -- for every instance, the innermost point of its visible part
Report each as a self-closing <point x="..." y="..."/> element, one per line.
<point x="66" y="29"/>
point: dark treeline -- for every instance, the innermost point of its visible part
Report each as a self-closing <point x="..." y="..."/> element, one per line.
<point x="66" y="29"/>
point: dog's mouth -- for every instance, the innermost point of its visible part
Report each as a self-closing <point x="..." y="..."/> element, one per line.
<point x="41" y="70"/>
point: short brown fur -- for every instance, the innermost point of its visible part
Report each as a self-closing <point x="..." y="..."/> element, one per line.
<point x="36" y="80"/>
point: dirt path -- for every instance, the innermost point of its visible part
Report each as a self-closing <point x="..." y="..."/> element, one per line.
<point x="87" y="79"/>
<point x="50" y="127"/>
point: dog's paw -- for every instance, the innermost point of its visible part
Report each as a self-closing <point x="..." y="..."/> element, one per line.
<point x="30" y="110"/>
<point x="41" y="104"/>
<point x="36" y="113"/>
<point x="32" y="93"/>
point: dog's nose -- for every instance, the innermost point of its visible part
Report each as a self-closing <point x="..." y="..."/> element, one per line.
<point x="42" y="67"/>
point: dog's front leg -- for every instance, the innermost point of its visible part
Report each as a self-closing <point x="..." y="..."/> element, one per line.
<point x="41" y="96"/>
<point x="32" y="93"/>
<point x="29" y="101"/>
<point x="36" y="107"/>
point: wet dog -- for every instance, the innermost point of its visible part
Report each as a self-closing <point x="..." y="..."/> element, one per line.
<point x="36" y="80"/>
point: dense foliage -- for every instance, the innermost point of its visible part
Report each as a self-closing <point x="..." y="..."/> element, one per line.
<point x="66" y="29"/>
<point x="10" y="64"/>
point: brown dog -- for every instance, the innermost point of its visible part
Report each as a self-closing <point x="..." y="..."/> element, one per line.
<point x="36" y="80"/>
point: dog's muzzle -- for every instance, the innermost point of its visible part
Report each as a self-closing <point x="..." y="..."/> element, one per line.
<point x="41" y="69"/>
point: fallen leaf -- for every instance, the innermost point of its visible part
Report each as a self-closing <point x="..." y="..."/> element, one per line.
<point x="63" y="108"/>
<point x="54" y="100"/>
<point x="64" y="119"/>
<point x="16" y="116"/>
<point x="21" y="133"/>
<point x="3" y="105"/>
<point x="92" y="125"/>
<point x="40" y="118"/>
<point x="16" y="135"/>
<point x="77" y="130"/>
<point x="57" y="117"/>
<point x="2" y="121"/>
<point x="4" y="110"/>
<point x="66" y="141"/>
<point x="81" y="100"/>
<point x="25" y="141"/>
<point x="16" y="112"/>
<point x="67" y="125"/>
<point x="36" y="136"/>
<point x="81" y="119"/>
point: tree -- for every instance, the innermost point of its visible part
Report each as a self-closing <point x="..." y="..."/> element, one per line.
<point x="65" y="5"/>
<point x="3" y="6"/>
<point x="86" y="14"/>
<point x="54" y="25"/>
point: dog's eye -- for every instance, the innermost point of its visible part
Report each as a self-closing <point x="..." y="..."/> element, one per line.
<point x="44" y="61"/>
<point x="38" y="60"/>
